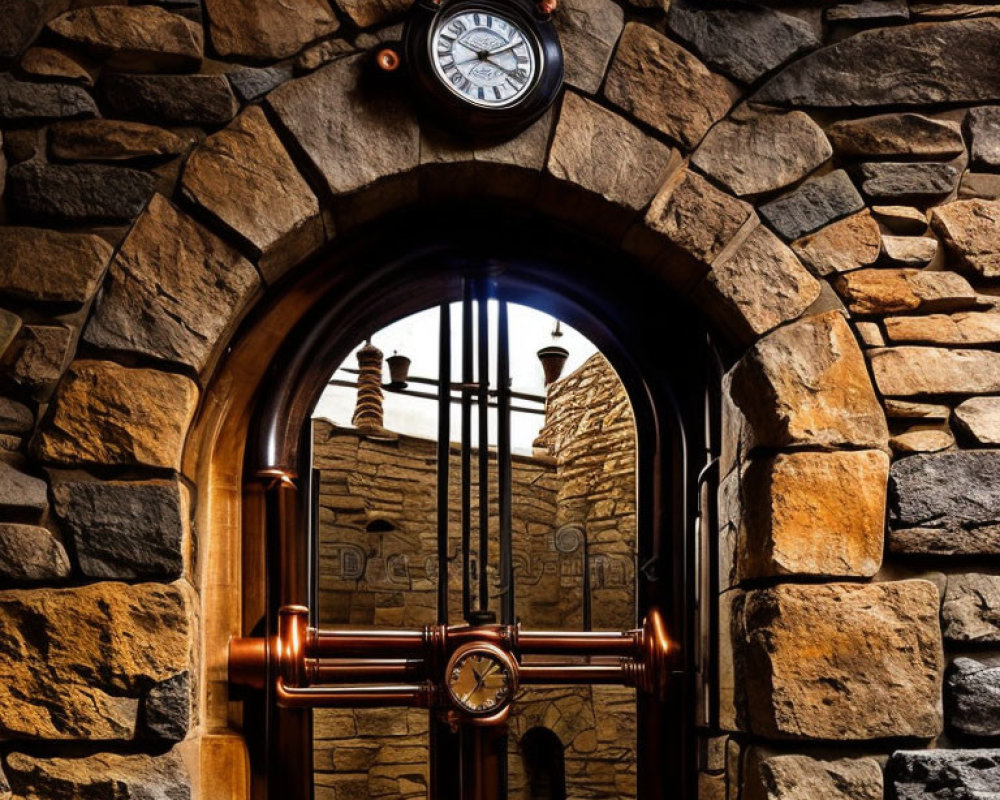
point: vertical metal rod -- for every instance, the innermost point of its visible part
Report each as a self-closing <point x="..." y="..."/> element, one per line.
<point x="466" y="450"/>
<point x="443" y="455"/>
<point x="588" y="621"/>
<point x="483" y="342"/>
<point x="504" y="470"/>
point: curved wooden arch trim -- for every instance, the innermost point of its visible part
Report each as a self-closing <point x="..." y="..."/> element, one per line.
<point x="286" y="343"/>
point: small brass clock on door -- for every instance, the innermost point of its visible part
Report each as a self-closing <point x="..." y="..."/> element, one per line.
<point x="481" y="681"/>
<point x="487" y="67"/>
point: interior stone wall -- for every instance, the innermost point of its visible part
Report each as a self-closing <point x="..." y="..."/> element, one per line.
<point x="819" y="178"/>
<point x="378" y="567"/>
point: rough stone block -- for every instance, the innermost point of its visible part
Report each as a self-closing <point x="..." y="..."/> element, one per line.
<point x="688" y="225"/>
<point x="742" y="41"/>
<point x="78" y="193"/>
<point x="971" y="609"/>
<point x="606" y="155"/>
<point x="588" y="32"/>
<point x="760" y="286"/>
<point x="133" y="38"/>
<point x="840" y="661"/>
<point x="106" y="775"/>
<point x="979" y="419"/>
<point x="125" y="530"/>
<point x="166" y="710"/>
<point x="365" y="13"/>
<point x="380" y="138"/>
<point x="38" y="356"/>
<point x="909" y="251"/>
<point x="19" y="491"/>
<point x="970" y="230"/>
<point x="112" y="140"/>
<point x="753" y="154"/>
<point x="252" y="83"/>
<point x="943" y="774"/>
<point x="897" y="184"/>
<point x="48" y="266"/>
<point x="917" y="65"/>
<point x="812" y="205"/>
<point x="794" y="777"/>
<point x="171" y="99"/>
<point x="665" y="86"/>
<point x="887" y="291"/>
<point x="15" y="417"/>
<point x="22" y="102"/>
<point x="949" y="491"/>
<point x="806" y="384"/>
<point x="973" y="690"/>
<point x="49" y="63"/>
<point x="812" y="514"/>
<point x="244" y="176"/>
<point x="983" y="125"/>
<point x="31" y="553"/>
<point x="970" y="327"/>
<point x="908" y="371"/>
<point x="897" y="135"/>
<point x="86" y="656"/>
<point x="850" y="243"/>
<point x="175" y="290"/>
<point x="108" y="414"/>
<point x="268" y="30"/>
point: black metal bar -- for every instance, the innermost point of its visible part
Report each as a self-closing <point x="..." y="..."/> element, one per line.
<point x="443" y="456"/>
<point x="504" y="471"/>
<point x="429" y="396"/>
<point x="483" y="440"/>
<point x="587" y="612"/>
<point x="466" y="450"/>
<point x="534" y="398"/>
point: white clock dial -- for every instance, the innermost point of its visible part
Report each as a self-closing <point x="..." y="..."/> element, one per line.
<point x="484" y="58"/>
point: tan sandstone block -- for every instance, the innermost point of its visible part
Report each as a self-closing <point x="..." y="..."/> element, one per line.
<point x="887" y="291"/>
<point x="603" y="153"/>
<point x="807" y="384"/>
<point x="795" y="777"/>
<point x="86" y="656"/>
<point x="970" y="327"/>
<point x="176" y="290"/>
<point x="760" y="286"/>
<point x="42" y="265"/>
<point x="840" y="661"/>
<point x="244" y="176"/>
<point x="688" y="225"/>
<point x="267" y="29"/>
<point x="134" y="38"/>
<point x="663" y="85"/>
<point x="847" y="244"/>
<point x="108" y="414"/>
<point x="813" y="514"/>
<point x="971" y="233"/>
<point x="908" y="371"/>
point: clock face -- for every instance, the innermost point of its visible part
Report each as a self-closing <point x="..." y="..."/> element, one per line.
<point x="483" y="57"/>
<point x="480" y="682"/>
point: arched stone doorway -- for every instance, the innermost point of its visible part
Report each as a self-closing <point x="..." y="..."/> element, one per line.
<point x="802" y="397"/>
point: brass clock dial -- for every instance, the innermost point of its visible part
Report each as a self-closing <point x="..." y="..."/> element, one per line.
<point x="481" y="680"/>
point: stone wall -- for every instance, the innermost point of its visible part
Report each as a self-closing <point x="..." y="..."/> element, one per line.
<point x="819" y="178"/>
<point x="378" y="567"/>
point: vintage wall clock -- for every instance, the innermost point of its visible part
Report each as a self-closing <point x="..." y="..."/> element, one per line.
<point x="486" y="67"/>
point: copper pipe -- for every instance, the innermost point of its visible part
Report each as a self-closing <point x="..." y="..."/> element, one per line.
<point x="410" y="695"/>
<point x="248" y="662"/>
<point x="573" y="643"/>
<point x="572" y="674"/>
<point x="358" y="644"/>
<point x="363" y="671"/>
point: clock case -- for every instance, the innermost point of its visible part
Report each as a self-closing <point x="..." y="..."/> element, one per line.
<point x="452" y="111"/>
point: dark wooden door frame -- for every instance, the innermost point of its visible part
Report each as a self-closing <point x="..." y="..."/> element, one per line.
<point x="411" y="262"/>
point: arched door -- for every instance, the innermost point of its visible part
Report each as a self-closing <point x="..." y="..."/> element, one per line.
<point x="299" y="666"/>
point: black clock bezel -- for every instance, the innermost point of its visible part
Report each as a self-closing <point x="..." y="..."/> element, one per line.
<point x="462" y="115"/>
